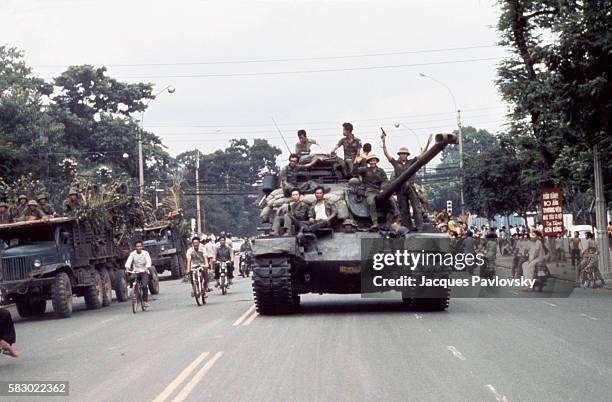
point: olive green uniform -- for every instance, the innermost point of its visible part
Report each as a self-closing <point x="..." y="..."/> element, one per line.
<point x="36" y="213"/>
<point x="407" y="196"/>
<point x="297" y="212"/>
<point x="5" y="217"/>
<point x="47" y="209"/>
<point x="71" y="208"/>
<point x="18" y="211"/>
<point x="372" y="179"/>
<point x="304" y="149"/>
<point x="350" y="150"/>
<point x="290" y="175"/>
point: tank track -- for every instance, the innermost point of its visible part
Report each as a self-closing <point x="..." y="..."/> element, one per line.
<point x="272" y="290"/>
<point x="429" y="303"/>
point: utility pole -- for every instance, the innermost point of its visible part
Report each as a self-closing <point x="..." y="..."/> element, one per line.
<point x="460" y="132"/>
<point x="600" y="217"/>
<point x="197" y="178"/>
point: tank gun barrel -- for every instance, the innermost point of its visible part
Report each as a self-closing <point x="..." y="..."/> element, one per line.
<point x="441" y="141"/>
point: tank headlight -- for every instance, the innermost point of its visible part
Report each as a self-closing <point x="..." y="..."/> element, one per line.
<point x="37" y="263"/>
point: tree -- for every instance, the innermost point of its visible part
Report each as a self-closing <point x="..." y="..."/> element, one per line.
<point x="442" y="182"/>
<point x="233" y="170"/>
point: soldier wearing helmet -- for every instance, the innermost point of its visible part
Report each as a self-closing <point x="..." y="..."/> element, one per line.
<point x="406" y="195"/>
<point x="32" y="213"/>
<point x="45" y="206"/>
<point x="373" y="179"/>
<point x="72" y="203"/>
<point x="20" y="208"/>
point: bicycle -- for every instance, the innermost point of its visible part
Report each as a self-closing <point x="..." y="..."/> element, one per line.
<point x="195" y="275"/>
<point x="137" y="292"/>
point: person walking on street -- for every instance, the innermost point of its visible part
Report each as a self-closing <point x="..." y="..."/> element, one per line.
<point x="575" y="251"/>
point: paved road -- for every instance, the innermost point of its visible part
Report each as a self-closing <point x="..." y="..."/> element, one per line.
<point x="339" y="348"/>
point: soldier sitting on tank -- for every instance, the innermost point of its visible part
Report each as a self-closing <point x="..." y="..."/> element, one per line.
<point x="297" y="215"/>
<point x="289" y="174"/>
<point x="407" y="195"/>
<point x="351" y="146"/>
<point x="5" y="215"/>
<point x="361" y="159"/>
<point x="321" y="214"/>
<point x="45" y="206"/>
<point x="349" y="226"/>
<point x="20" y="208"/>
<point x="72" y="203"/>
<point x="302" y="147"/>
<point x="372" y="178"/>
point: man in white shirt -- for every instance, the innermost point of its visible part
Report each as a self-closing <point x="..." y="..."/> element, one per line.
<point x="321" y="214"/>
<point x="139" y="264"/>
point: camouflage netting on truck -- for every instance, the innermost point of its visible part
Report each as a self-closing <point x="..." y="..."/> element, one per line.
<point x="278" y="203"/>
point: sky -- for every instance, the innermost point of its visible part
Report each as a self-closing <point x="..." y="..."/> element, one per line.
<point x="238" y="66"/>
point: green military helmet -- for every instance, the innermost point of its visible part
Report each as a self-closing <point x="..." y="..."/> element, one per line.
<point x="22" y="196"/>
<point x="32" y="202"/>
<point x="42" y="197"/>
<point x="4" y="204"/>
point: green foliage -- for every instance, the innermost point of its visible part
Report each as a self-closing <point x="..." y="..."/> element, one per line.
<point x="26" y="185"/>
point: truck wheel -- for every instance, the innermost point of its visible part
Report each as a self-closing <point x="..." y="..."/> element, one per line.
<point x="107" y="287"/>
<point x="94" y="293"/>
<point x="120" y="286"/>
<point x="31" y="307"/>
<point x="61" y="295"/>
<point x="175" y="267"/>
<point x="153" y="281"/>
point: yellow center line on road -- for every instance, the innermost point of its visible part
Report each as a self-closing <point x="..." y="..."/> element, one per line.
<point x="243" y="316"/>
<point x="180" y="378"/>
<point x="197" y="378"/>
<point x="251" y="318"/>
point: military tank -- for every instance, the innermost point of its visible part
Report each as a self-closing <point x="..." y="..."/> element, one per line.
<point x="329" y="260"/>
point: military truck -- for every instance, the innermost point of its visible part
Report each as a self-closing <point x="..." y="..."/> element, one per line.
<point x="58" y="259"/>
<point x="329" y="260"/>
<point x="165" y="244"/>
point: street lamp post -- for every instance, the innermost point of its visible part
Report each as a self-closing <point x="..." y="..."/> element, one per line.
<point x="459" y="131"/>
<point x="170" y="90"/>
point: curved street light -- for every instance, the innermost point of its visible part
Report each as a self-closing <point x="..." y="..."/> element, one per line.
<point x="459" y="131"/>
<point x="170" y="89"/>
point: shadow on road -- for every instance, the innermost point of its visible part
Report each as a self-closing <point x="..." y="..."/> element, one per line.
<point x="359" y="306"/>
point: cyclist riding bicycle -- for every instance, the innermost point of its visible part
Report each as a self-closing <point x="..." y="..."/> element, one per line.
<point x="196" y="258"/>
<point x="224" y="254"/>
<point x="139" y="264"/>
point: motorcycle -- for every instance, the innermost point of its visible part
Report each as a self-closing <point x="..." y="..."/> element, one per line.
<point x="245" y="264"/>
<point x="540" y="274"/>
<point x="223" y="279"/>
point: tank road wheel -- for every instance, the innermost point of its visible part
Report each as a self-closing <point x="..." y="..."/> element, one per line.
<point x="61" y="295"/>
<point x="94" y="293"/>
<point x="175" y="267"/>
<point x="273" y="292"/>
<point x="107" y="287"/>
<point x="31" y="307"/>
<point x="120" y="286"/>
<point x="153" y="281"/>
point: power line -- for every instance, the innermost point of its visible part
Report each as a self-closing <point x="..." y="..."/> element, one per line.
<point x="312" y="71"/>
<point x="288" y="59"/>
<point x="305" y="123"/>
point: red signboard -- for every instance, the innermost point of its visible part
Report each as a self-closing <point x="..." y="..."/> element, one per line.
<point x="551" y="201"/>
